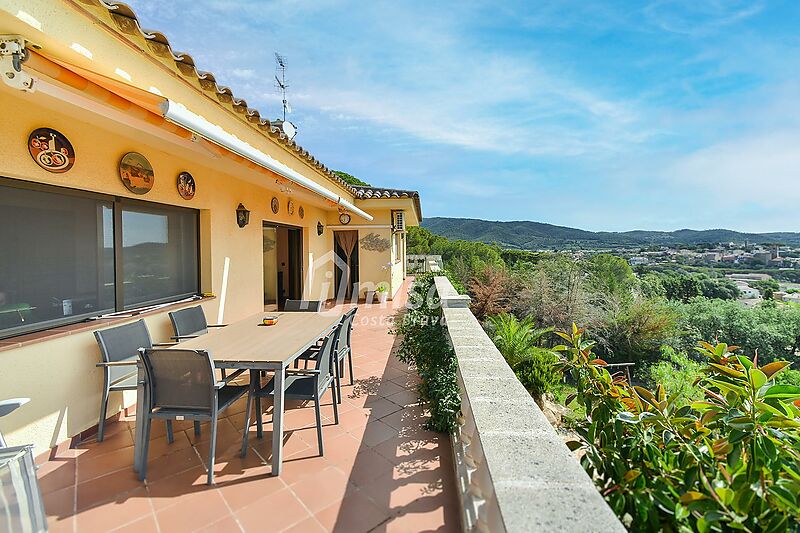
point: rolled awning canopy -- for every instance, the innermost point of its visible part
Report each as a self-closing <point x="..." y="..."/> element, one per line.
<point x="166" y="113"/>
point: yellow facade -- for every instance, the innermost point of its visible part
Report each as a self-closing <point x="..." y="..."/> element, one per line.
<point x="58" y="371"/>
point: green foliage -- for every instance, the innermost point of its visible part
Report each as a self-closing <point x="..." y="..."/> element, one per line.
<point x="683" y="286"/>
<point x="612" y="275"/>
<point x="677" y="373"/>
<point x="349" y="178"/>
<point x="424" y="344"/>
<point x="729" y="462"/>
<point x="767" y="287"/>
<point x="772" y="330"/>
<point x="519" y="341"/>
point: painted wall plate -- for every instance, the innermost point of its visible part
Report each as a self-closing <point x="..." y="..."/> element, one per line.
<point x="290" y="208"/>
<point x="136" y="173"/>
<point x="276" y="205"/>
<point x="301" y="211"/>
<point x="51" y="150"/>
<point x="186" y="185"/>
<point x="344" y="218"/>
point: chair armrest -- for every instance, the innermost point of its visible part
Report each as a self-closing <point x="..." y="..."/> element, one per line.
<point x="117" y="363"/>
<point x="180" y="337"/>
<point x="216" y="325"/>
<point x="163" y="344"/>
<point x="12" y="404"/>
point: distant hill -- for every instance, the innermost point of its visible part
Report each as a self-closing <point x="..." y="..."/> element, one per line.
<point x="527" y="235"/>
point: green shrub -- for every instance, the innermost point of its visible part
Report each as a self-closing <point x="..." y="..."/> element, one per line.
<point x="424" y="344"/>
<point x="678" y="374"/>
<point x="518" y="340"/>
<point x="539" y="373"/>
<point x="729" y="462"/>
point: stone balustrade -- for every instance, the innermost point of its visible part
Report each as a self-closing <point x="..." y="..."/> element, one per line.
<point x="514" y="472"/>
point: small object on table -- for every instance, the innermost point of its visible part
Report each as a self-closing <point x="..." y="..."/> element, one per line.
<point x="269" y="320"/>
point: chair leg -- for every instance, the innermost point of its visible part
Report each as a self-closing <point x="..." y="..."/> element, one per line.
<point x="335" y="406"/>
<point x="259" y="422"/>
<point x="197" y="428"/>
<point x="350" y="364"/>
<point x="146" y="446"/>
<point x="102" y="422"/>
<point x="213" y="450"/>
<point x="170" y="435"/>
<point x="337" y="393"/>
<point x="319" y="424"/>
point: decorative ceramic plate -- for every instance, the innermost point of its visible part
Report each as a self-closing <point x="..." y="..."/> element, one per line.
<point x="290" y="208"/>
<point x="186" y="185"/>
<point x="276" y="205"/>
<point x="301" y="211"/>
<point x="136" y="173"/>
<point x="51" y="150"/>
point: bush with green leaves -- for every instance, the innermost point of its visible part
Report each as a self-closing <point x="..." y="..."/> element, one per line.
<point x="518" y="341"/>
<point x="424" y="344"/>
<point x="728" y="462"/>
<point x="678" y="373"/>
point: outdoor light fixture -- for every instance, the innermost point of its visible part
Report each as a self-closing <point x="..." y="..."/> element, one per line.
<point x="242" y="216"/>
<point x="320" y="228"/>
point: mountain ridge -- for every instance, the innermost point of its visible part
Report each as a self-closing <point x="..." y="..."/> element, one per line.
<point x="530" y="235"/>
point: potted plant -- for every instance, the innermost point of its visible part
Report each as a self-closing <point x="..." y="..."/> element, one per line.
<point x="382" y="292"/>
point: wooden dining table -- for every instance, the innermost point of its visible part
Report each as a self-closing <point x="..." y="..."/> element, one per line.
<point x="249" y="345"/>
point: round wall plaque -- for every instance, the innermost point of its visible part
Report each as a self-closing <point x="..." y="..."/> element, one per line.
<point x="186" y="185"/>
<point x="276" y="205"/>
<point x="290" y="208"/>
<point x="344" y="218"/>
<point x="51" y="150"/>
<point x="301" y="211"/>
<point x="136" y="173"/>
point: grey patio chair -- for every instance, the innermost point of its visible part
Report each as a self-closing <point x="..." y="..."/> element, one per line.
<point x="190" y="323"/>
<point x="313" y="306"/>
<point x="298" y="384"/>
<point x="342" y="349"/>
<point x="183" y="386"/>
<point x="7" y="407"/>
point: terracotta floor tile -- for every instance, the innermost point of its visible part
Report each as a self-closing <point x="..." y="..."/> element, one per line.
<point x="309" y="525"/>
<point x="275" y="512"/>
<point x="194" y="512"/>
<point x="143" y="525"/>
<point x="295" y="469"/>
<point x="412" y="416"/>
<point x="91" y="467"/>
<point x="405" y="398"/>
<point x="171" y="464"/>
<point x="56" y="475"/>
<point x="342" y="450"/>
<point x="111" y="487"/>
<point x="59" y="506"/>
<point x="368" y="466"/>
<point x="247" y="487"/>
<point x="355" y="513"/>
<point x="321" y="489"/>
<point x="227" y="524"/>
<point x="178" y="488"/>
<point x="378" y="432"/>
<point x="380" y="408"/>
<point x="115" y="513"/>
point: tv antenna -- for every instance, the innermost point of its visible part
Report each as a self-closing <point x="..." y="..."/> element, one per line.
<point x="280" y="82"/>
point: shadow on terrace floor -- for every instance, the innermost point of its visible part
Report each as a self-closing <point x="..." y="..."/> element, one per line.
<point x="381" y="470"/>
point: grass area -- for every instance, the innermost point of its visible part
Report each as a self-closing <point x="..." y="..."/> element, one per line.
<point x="576" y="411"/>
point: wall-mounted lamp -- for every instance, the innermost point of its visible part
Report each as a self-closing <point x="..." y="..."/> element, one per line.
<point x="242" y="216"/>
<point x="320" y="228"/>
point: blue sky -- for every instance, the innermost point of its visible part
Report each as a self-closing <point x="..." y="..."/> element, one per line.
<point x="603" y="115"/>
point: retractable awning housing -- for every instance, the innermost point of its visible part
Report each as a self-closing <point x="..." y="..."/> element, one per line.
<point x="163" y="112"/>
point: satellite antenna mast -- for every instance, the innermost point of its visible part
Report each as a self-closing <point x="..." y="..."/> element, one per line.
<point x="280" y="81"/>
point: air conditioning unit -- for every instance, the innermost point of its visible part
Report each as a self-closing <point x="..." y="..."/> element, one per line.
<point x="398" y="221"/>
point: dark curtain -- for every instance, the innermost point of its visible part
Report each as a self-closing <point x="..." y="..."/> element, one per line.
<point x="347" y="241"/>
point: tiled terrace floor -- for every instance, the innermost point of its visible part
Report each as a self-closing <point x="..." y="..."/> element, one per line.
<point x="381" y="471"/>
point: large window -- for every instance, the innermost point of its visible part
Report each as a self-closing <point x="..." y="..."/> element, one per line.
<point x="61" y="253"/>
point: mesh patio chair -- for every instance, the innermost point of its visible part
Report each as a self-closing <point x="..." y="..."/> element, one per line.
<point x="298" y="384"/>
<point x="183" y="386"/>
<point x="190" y="323"/>
<point x="313" y="306"/>
<point x="342" y="349"/>
<point x="119" y="347"/>
<point x="21" y="504"/>
<point x="6" y="408"/>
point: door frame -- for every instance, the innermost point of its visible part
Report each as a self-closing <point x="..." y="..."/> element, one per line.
<point x="295" y="266"/>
